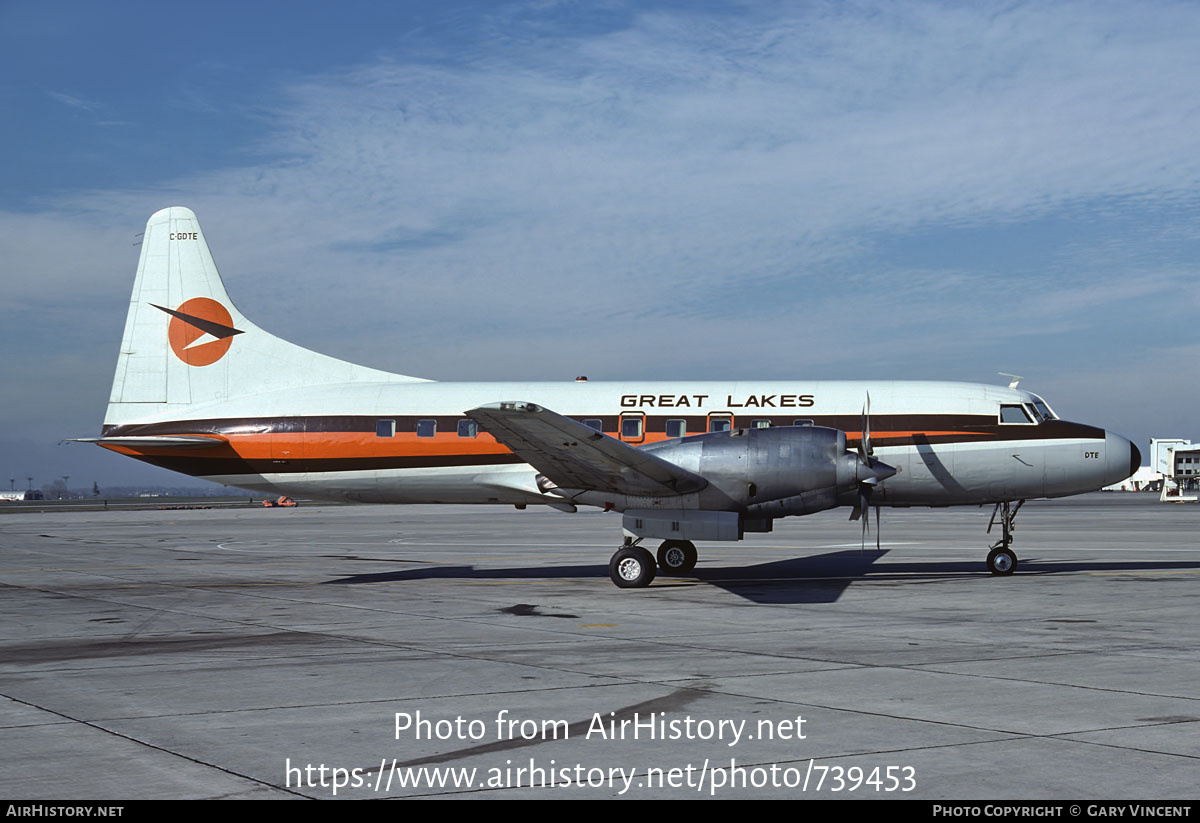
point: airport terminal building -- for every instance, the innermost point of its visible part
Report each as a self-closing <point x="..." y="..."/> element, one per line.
<point x="1174" y="471"/>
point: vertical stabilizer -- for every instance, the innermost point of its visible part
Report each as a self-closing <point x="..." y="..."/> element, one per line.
<point x="185" y="343"/>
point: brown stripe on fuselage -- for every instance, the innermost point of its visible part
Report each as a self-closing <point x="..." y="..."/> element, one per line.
<point x="349" y="443"/>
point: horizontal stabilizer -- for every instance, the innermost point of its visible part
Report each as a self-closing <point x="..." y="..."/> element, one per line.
<point x="163" y="441"/>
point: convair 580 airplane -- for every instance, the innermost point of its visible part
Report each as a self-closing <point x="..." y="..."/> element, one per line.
<point x="201" y="390"/>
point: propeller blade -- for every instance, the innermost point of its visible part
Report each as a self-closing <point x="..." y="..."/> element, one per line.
<point x="864" y="446"/>
<point x="870" y="473"/>
<point x="864" y="506"/>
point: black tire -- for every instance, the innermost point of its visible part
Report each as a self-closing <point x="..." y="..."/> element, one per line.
<point x="677" y="556"/>
<point x="632" y="567"/>
<point x="1002" y="562"/>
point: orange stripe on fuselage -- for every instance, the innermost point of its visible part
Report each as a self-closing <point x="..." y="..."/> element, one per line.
<point x="893" y="435"/>
<point x="333" y="445"/>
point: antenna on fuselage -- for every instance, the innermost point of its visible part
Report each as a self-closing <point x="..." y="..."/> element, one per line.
<point x="1016" y="378"/>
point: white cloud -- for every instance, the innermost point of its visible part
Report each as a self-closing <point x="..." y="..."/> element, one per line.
<point x="72" y="101"/>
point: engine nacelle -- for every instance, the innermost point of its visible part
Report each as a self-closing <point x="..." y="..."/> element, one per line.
<point x="769" y="473"/>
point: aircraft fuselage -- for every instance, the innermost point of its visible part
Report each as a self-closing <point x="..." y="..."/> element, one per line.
<point x="411" y="443"/>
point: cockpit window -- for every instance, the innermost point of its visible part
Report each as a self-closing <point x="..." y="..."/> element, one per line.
<point x="1014" y="414"/>
<point x="1040" y="405"/>
<point x="1037" y="415"/>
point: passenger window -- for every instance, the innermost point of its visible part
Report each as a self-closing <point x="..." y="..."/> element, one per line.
<point x="426" y="428"/>
<point x="720" y="424"/>
<point x="676" y="428"/>
<point x="802" y="422"/>
<point x="594" y="423"/>
<point x="1014" y="414"/>
<point x="631" y="427"/>
<point x="467" y="428"/>
<point x="761" y="424"/>
<point x="385" y="428"/>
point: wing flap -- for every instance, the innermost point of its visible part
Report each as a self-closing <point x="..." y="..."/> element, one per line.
<point x="575" y="456"/>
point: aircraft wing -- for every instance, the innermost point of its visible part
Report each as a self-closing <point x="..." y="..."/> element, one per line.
<point x="575" y="456"/>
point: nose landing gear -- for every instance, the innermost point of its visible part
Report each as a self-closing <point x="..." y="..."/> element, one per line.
<point x="1002" y="560"/>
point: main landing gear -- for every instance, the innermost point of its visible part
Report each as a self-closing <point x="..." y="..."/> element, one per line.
<point x="633" y="567"/>
<point x="677" y="556"/>
<point x="1002" y="560"/>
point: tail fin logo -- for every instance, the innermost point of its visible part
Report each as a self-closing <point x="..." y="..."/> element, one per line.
<point x="201" y="331"/>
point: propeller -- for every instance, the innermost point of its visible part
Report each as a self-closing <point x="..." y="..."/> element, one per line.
<point x="871" y="472"/>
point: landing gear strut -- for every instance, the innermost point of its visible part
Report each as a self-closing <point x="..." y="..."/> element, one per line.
<point x="1002" y="560"/>
<point x="632" y="567"/>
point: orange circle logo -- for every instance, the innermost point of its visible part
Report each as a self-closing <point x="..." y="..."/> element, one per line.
<point x="201" y="331"/>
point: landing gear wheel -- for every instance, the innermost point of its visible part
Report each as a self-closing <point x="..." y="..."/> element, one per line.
<point x="632" y="567"/>
<point x="1002" y="561"/>
<point x="677" y="556"/>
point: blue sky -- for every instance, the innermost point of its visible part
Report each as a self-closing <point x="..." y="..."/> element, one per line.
<point x="676" y="191"/>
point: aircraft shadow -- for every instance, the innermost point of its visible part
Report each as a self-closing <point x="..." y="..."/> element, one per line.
<point x="751" y="582"/>
<point x="823" y="578"/>
<point x="818" y="578"/>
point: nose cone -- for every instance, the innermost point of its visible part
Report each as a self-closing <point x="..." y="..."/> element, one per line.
<point x="1122" y="458"/>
